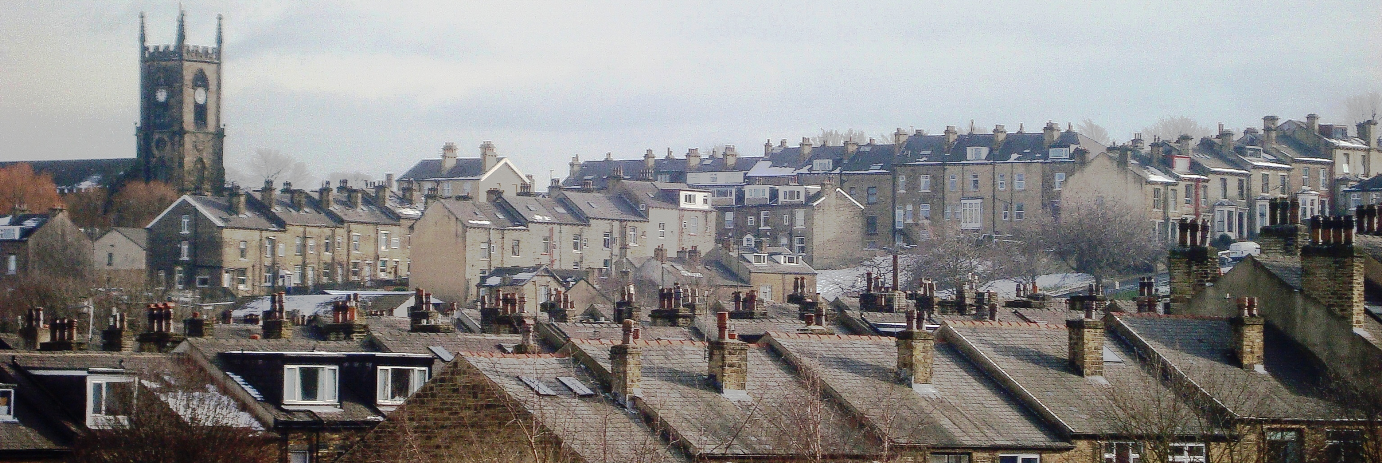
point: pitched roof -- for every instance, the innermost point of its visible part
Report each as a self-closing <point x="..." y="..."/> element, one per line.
<point x="771" y="418"/>
<point x="1033" y="358"/>
<point x="1200" y="348"/>
<point x="27" y="223"/>
<point x="540" y="210"/>
<point x="428" y="169"/>
<point x="368" y="212"/>
<point x="962" y="408"/>
<point x="478" y="214"/>
<point x="600" y="205"/>
<point x="217" y="208"/>
<point x="140" y="236"/>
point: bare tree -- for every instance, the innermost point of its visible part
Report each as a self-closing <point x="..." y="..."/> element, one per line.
<point x="270" y="164"/>
<point x="1172" y="127"/>
<point x="1102" y="237"/>
<point x="1027" y="253"/>
<point x="1363" y="106"/>
<point x="951" y="256"/>
<point x="356" y="178"/>
<point x="1094" y="131"/>
<point x="831" y="137"/>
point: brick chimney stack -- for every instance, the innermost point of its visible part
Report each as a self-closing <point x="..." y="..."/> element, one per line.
<point x="1086" y="352"/>
<point x="448" y="157"/>
<point x="488" y="158"/>
<point x="115" y="338"/>
<point x="34" y="331"/>
<point x="626" y="308"/>
<point x="266" y="195"/>
<point x="1269" y="130"/>
<point x="62" y="336"/>
<point x="1331" y="269"/>
<point x="1193" y="266"/>
<point x="626" y="367"/>
<point x="198" y="326"/>
<point x="158" y="335"/>
<point x="1283" y="235"/>
<point x="423" y="318"/>
<point x="805" y="148"/>
<point x="1049" y="134"/>
<point x="728" y="367"/>
<point x="1247" y="334"/>
<point x="276" y="325"/>
<point x="915" y="352"/>
<point x="693" y="159"/>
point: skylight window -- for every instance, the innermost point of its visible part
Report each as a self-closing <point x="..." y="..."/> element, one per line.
<point x="530" y="207"/>
<point x="576" y="386"/>
<point x="592" y="205"/>
<point x="536" y="385"/>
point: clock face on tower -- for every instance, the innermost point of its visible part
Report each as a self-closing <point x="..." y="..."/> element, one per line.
<point x="161" y="95"/>
<point x="199" y="95"/>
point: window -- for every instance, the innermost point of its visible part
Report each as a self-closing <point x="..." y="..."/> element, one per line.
<point x="949" y="458"/>
<point x="311" y="245"/>
<point x="396" y="384"/>
<point x="897" y="218"/>
<point x="605" y="240"/>
<point x="748" y="241"/>
<point x="11" y="264"/>
<point x="1340" y="445"/>
<point x="924" y="183"/>
<point x="1182" y="452"/>
<point x="1006" y="212"/>
<point x="1223" y="188"/>
<point x="326" y="245"/>
<point x="973" y="182"/>
<point x="729" y="219"/>
<point x="907" y="216"/>
<point x="763" y="219"/>
<point x="799" y="243"/>
<point x="110" y="259"/>
<point x="952" y="183"/>
<point x="446" y="189"/>
<point x="1304" y="178"/>
<point x="394" y="242"/>
<point x="383" y="240"/>
<point x="269" y="247"/>
<point x="688" y="198"/>
<point x="750" y="220"/>
<point x="1283" y="183"/>
<point x="484" y="250"/>
<point x="1242" y="188"/>
<point x="184" y="251"/>
<point x="901" y="183"/>
<point x="309" y="385"/>
<point x="1019" y="211"/>
<point x="633" y="236"/>
<point x="1156" y="199"/>
<point x="871" y="225"/>
<point x="298" y="245"/>
<point x="822" y="165"/>
<point x="976" y="153"/>
<point x="1283" y="446"/>
<point x="1058" y="153"/>
<point x="1324" y="179"/>
<point x="109" y="401"/>
<point x="7" y="404"/>
<point x="354" y="241"/>
<point x="873" y="195"/>
<point x="760" y="259"/>
<point x="186" y="224"/>
<point x="1059" y="181"/>
<point x="1345" y="165"/>
<point x="1019" y="182"/>
<point x="924" y="210"/>
<point x="546" y="245"/>
<point x="299" y="456"/>
<point x="1019" y="458"/>
<point x="786" y="219"/>
<point x="241" y="278"/>
<point x="971" y="213"/>
<point x="514" y="248"/>
<point x="662" y="229"/>
<point x="280" y="249"/>
<point x="1122" y="452"/>
<point x="1174" y="204"/>
<point x="1002" y="182"/>
<point x="203" y="281"/>
<point x="576" y="242"/>
<point x="694" y="226"/>
<point x="1266" y="182"/>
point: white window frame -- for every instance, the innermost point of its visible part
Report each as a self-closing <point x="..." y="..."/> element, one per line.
<point x="924" y="212"/>
<point x="1180" y="452"/>
<point x="1060" y="181"/>
<point x="328" y="385"/>
<point x="184" y="250"/>
<point x="729" y="219"/>
<point x="7" y="404"/>
<point x="924" y="184"/>
<point x="971" y="214"/>
<point x="1019" y="181"/>
<point x="96" y="416"/>
<point x="186" y="224"/>
<point x="1134" y="451"/>
<point x="1020" y="457"/>
<point x="384" y="383"/>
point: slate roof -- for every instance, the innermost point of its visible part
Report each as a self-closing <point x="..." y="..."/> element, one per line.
<point x="1371" y="184"/>
<point x="218" y="208"/>
<point x="140" y="236"/>
<point x="311" y="214"/>
<point x="393" y="336"/>
<point x="1026" y="146"/>
<point x="615" y="332"/>
<point x="1034" y="359"/>
<point x="770" y="420"/>
<point x="368" y="212"/>
<point x="1200" y="348"/>
<point x="598" y="171"/>
<point x="962" y="409"/>
<point x="428" y="169"/>
<point x="596" y="429"/>
<point x="600" y="205"/>
<point x="478" y="214"/>
<point x="654" y="194"/>
<point x="28" y="223"/>
<point x="540" y="210"/>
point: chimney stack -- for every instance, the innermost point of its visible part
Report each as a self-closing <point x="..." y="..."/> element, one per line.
<point x="1247" y="334"/>
<point x="1192" y="265"/>
<point x="1331" y="269"/>
<point x="34" y="332"/>
<point x="1225" y="139"/>
<point x="1269" y="130"/>
<point x="493" y="194"/>
<point x="1049" y="133"/>
<point x="276" y="325"/>
<point x="488" y="158"/>
<point x="1086" y="344"/>
<point x="158" y="335"/>
<point x="626" y="367"/>
<point x="915" y="352"/>
<point x="950" y="136"/>
<point x="1000" y="134"/>
<point x="693" y="159"/>
<point x="448" y="157"/>
<point x="198" y="326"/>
<point x="1312" y="122"/>
<point x="805" y="148"/>
<point x="728" y="358"/>
<point x="237" y="200"/>
<point x="353" y="197"/>
<point x="62" y="336"/>
<point x="266" y="195"/>
<point x="114" y="337"/>
<point x="731" y="157"/>
<point x="324" y="195"/>
<point x="1367" y="130"/>
<point x="900" y="137"/>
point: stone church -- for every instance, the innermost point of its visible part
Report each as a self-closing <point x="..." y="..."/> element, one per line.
<point x="181" y="136"/>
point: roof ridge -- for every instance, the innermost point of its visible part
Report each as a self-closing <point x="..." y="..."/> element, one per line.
<point x="553" y="355"/>
<point x="826" y="337"/>
<point x="1171" y="316"/>
<point x="1007" y="324"/>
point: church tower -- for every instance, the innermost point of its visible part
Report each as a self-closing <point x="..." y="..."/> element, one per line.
<point x="180" y="134"/>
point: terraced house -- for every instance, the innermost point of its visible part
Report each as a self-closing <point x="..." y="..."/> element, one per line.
<point x="271" y="240"/>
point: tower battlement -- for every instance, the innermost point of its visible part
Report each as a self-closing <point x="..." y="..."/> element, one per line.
<point x="189" y="52"/>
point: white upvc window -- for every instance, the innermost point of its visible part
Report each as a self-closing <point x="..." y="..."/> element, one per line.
<point x="11" y="264"/>
<point x="1019" y="181"/>
<point x="310" y="385"/>
<point x="1002" y="182"/>
<point x="901" y="183"/>
<point x="186" y="224"/>
<point x="108" y="400"/>
<point x="976" y="153"/>
<point x="1060" y="181"/>
<point x="184" y="251"/>
<point x="1122" y="452"/>
<point x="729" y="219"/>
<point x="924" y="183"/>
<point x="6" y="403"/>
<point x="1019" y="458"/>
<point x="396" y="384"/>
<point x="800" y="216"/>
<point x="383" y="240"/>
<point x="1186" y="452"/>
<point x="971" y="214"/>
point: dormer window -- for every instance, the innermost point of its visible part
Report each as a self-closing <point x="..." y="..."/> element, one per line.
<point x="688" y="199"/>
<point x="976" y="153"/>
<point x="109" y="399"/>
<point x="6" y="402"/>
<point x="822" y="165"/>
<point x="791" y="259"/>
<point x="1253" y="152"/>
<point x="1058" y="153"/>
<point x="396" y="384"/>
<point x="309" y="385"/>
<point x="791" y="195"/>
<point x="760" y="259"/>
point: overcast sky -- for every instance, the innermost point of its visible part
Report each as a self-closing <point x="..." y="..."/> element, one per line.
<point x="375" y="87"/>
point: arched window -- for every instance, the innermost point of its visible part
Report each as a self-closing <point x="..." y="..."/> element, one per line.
<point x="748" y="241"/>
<point x="200" y="87"/>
